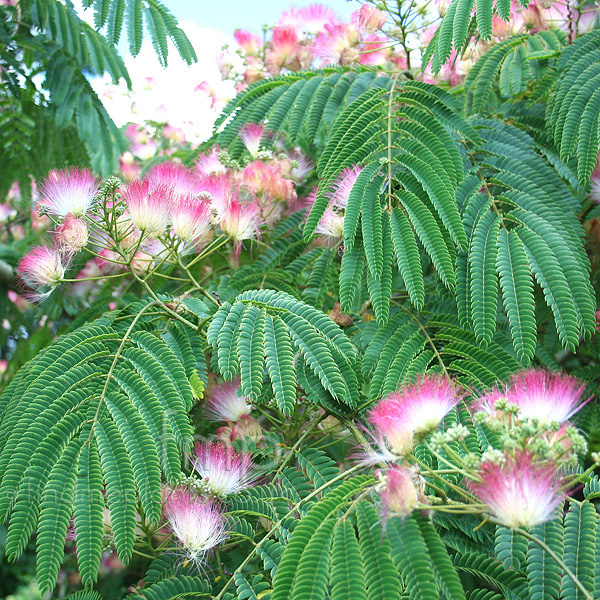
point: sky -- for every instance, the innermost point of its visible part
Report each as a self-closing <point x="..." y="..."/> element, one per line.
<point x="170" y="94"/>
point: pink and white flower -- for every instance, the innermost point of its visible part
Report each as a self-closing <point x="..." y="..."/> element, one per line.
<point x="414" y="411"/>
<point x="251" y="134"/>
<point x="224" y="470"/>
<point x="68" y="191"/>
<point x="225" y="403"/>
<point x="399" y="495"/>
<point x="42" y="267"/>
<point x="340" y="191"/>
<point x="183" y="181"/>
<point x="210" y="164"/>
<point x="247" y="41"/>
<point x="545" y="395"/>
<point x="72" y="234"/>
<point x="336" y="44"/>
<point x="368" y="19"/>
<point x="148" y="206"/>
<point x="520" y="492"/>
<point x="241" y="221"/>
<point x="198" y="524"/>
<point x="190" y="219"/>
<point x="309" y="19"/>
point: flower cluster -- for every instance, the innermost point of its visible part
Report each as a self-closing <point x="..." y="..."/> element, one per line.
<point x="171" y="212"/>
<point x="520" y="479"/>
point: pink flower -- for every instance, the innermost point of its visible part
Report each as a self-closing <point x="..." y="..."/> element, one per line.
<point x="224" y="470"/>
<point x="399" y="495"/>
<point x="240" y="221"/>
<point x="545" y="395"/>
<point x="415" y="410"/>
<point x="225" y="403"/>
<point x="336" y="44"/>
<point x="148" y="207"/>
<point x="183" y="181"/>
<point x="331" y="224"/>
<point x="247" y="41"/>
<point x="68" y="191"/>
<point x="520" y="492"/>
<point x="245" y="427"/>
<point x="251" y="134"/>
<point x="209" y="164"/>
<point x="309" y="19"/>
<point x="197" y="523"/>
<point x="71" y="235"/>
<point x="190" y="219"/>
<point x="109" y="262"/>
<point x="368" y="19"/>
<point x="284" y="50"/>
<point x="42" y="267"/>
<point x="343" y="185"/>
<point x="487" y="402"/>
<point x="266" y="179"/>
<point x="219" y="188"/>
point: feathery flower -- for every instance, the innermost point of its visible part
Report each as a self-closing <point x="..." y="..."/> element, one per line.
<point x="219" y="188"/>
<point x="340" y="191"/>
<point x="42" y="267"/>
<point x="71" y="235"/>
<point x="225" y="402"/>
<point x="336" y="44"/>
<point x="331" y="224"/>
<point x="198" y="524"/>
<point x="520" y="492"/>
<point x="190" y="219"/>
<point x="309" y="19"/>
<point x="368" y="19"/>
<point x="183" y="181"/>
<point x="245" y="427"/>
<point x="224" y="470"/>
<point x="545" y="395"/>
<point x="148" y="207"/>
<point x="266" y="180"/>
<point x="241" y="220"/>
<point x="415" y="410"/>
<point x="210" y="164"/>
<point x="399" y="495"/>
<point x="247" y="41"/>
<point x="68" y="191"/>
<point x="251" y="134"/>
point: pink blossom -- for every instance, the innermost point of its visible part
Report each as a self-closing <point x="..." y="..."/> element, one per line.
<point x="309" y="19"/>
<point x="225" y="403"/>
<point x="224" y="470"/>
<point x="545" y="395"/>
<point x="283" y="51"/>
<point x="241" y="221"/>
<point x="252" y="134"/>
<point x="245" y="427"/>
<point x="109" y="262"/>
<point x="340" y="191"/>
<point x="42" y="267"/>
<point x="415" y="410"/>
<point x="219" y="188"/>
<point x="148" y="205"/>
<point x="336" y="44"/>
<point x="174" y="134"/>
<point x="71" y="235"/>
<point x="331" y="224"/>
<point x="399" y="494"/>
<point x="255" y="70"/>
<point x="197" y="523"/>
<point x="190" y="219"/>
<point x="68" y="191"/>
<point x="266" y="180"/>
<point x="209" y="164"/>
<point x="520" y="492"/>
<point x="368" y="19"/>
<point x="247" y="41"/>
<point x="182" y="180"/>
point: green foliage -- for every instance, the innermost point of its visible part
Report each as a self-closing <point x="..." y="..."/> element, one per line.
<point x="76" y="420"/>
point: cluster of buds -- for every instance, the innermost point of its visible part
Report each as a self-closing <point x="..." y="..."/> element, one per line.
<point x="521" y="479"/>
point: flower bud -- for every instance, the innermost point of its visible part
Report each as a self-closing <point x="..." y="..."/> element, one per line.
<point x="399" y="496"/>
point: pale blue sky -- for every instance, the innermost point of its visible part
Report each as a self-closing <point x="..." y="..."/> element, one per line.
<point x="228" y="15"/>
